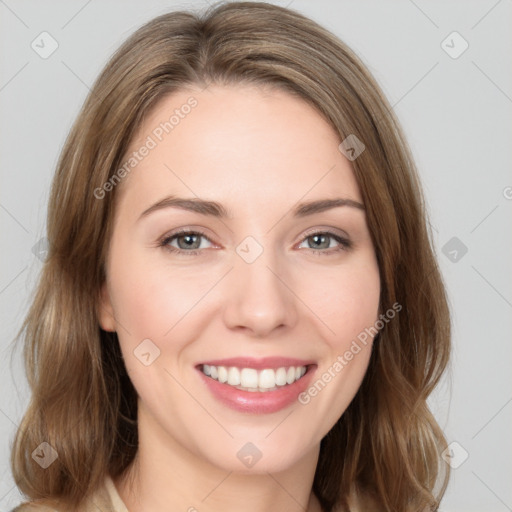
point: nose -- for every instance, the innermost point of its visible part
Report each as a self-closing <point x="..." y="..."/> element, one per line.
<point x="258" y="298"/>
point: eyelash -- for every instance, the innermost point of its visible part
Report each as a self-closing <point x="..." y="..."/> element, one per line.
<point x="345" y="244"/>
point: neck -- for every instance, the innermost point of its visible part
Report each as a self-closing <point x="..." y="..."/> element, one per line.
<point x="165" y="475"/>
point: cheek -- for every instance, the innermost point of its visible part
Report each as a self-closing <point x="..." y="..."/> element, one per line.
<point x="148" y="302"/>
<point x="150" y="297"/>
<point x="345" y="299"/>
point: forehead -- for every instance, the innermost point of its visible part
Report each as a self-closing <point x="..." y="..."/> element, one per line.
<point x="256" y="146"/>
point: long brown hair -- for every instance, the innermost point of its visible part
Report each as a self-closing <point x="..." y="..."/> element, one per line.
<point x="387" y="443"/>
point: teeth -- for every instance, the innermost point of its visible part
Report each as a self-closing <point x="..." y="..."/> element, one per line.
<point x="223" y="374"/>
<point x="267" y="379"/>
<point x="234" y="376"/>
<point x="281" y="376"/>
<point x="250" y="379"/>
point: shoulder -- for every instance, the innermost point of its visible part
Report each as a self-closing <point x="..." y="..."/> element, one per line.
<point x="34" y="506"/>
<point x="104" y="499"/>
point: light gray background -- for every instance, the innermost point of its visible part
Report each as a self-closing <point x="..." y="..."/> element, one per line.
<point x="456" y="113"/>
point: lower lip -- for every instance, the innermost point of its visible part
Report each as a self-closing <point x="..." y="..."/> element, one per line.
<point x="258" y="402"/>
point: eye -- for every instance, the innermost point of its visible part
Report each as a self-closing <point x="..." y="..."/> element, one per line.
<point x="326" y="240"/>
<point x="184" y="242"/>
<point x="190" y="243"/>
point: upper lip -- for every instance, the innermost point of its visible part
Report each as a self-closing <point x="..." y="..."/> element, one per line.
<point x="258" y="363"/>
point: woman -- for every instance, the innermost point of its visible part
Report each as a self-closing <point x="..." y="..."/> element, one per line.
<point x="240" y="305"/>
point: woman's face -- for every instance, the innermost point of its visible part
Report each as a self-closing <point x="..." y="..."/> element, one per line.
<point x="263" y="280"/>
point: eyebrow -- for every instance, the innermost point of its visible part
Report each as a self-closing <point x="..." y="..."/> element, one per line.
<point x="215" y="209"/>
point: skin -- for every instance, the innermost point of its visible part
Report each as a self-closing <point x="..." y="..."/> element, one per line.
<point x="257" y="152"/>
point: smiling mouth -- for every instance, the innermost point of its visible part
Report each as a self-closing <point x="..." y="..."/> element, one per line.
<point x="251" y="379"/>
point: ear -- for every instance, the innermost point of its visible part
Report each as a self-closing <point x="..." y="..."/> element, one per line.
<point x="105" y="310"/>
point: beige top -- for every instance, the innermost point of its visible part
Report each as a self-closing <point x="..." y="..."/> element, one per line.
<point x="105" y="499"/>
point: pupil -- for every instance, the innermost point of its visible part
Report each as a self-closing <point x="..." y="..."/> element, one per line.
<point x="189" y="241"/>
<point x="319" y="240"/>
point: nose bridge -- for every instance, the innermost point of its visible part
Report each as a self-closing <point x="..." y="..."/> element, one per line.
<point x="256" y="297"/>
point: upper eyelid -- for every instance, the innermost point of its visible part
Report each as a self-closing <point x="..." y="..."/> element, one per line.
<point x="331" y="231"/>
